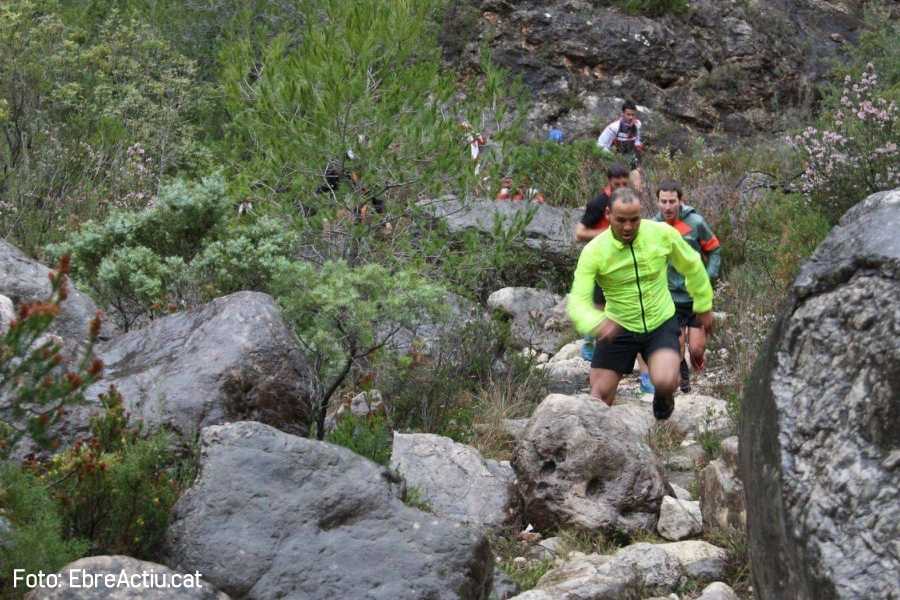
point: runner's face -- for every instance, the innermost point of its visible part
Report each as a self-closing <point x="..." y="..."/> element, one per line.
<point x="669" y="205"/>
<point x="618" y="182"/>
<point x="628" y="115"/>
<point x="624" y="220"/>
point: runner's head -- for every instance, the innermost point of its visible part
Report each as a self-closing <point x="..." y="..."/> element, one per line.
<point x="668" y="199"/>
<point x="617" y="176"/>
<point x="629" y="111"/>
<point x="624" y="214"/>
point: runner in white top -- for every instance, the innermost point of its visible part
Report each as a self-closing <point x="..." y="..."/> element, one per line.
<point x="624" y="136"/>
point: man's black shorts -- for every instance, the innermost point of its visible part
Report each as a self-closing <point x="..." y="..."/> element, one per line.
<point x="686" y="316"/>
<point x="619" y="354"/>
<point x="599" y="298"/>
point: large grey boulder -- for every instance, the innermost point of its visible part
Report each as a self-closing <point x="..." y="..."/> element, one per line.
<point x="7" y="313"/>
<point x="551" y="229"/>
<point x="699" y="559"/>
<point x="231" y="359"/>
<point x="538" y="317"/>
<point x="273" y="515"/>
<point x="697" y="413"/>
<point x="454" y="479"/>
<point x="124" y="578"/>
<point x="24" y="280"/>
<point x="820" y="434"/>
<point x="718" y="591"/>
<point x="579" y="464"/>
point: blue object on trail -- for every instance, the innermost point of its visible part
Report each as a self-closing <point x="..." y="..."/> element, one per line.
<point x="587" y="349"/>
<point x="646" y="386"/>
<point x="555" y="135"/>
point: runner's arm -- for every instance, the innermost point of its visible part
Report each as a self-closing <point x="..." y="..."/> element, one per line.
<point x="606" y="139"/>
<point x="638" y="143"/>
<point x="687" y="262"/>
<point x="710" y="246"/>
<point x="580" y="305"/>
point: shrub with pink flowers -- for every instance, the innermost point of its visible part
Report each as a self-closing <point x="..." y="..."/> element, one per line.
<point x="854" y="151"/>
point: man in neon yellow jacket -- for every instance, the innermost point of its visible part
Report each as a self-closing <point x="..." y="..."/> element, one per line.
<point x="629" y="261"/>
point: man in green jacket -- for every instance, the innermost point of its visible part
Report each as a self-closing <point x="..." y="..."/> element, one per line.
<point x="629" y="262"/>
<point x="699" y="236"/>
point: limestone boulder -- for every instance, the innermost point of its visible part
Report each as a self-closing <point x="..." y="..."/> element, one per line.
<point x="820" y="434"/>
<point x="454" y="479"/>
<point x="579" y="464"/>
<point x="273" y="515"/>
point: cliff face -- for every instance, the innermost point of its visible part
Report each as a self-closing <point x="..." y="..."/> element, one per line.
<point x="724" y="64"/>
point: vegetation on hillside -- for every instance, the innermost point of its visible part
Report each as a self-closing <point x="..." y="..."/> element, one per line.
<point x="175" y="152"/>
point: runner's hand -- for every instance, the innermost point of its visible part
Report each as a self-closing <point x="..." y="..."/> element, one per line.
<point x="706" y="321"/>
<point x="697" y="362"/>
<point x="607" y="330"/>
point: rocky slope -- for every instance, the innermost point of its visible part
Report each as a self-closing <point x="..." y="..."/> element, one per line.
<point x="726" y="64"/>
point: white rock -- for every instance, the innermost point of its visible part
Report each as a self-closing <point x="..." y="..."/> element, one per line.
<point x="718" y="591"/>
<point x="680" y="492"/>
<point x="699" y="559"/>
<point x="696" y="413"/>
<point x="679" y="519"/>
<point x="7" y="313"/>
<point x="569" y="351"/>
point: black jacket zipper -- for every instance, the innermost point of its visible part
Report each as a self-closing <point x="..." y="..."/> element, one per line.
<point x="637" y="278"/>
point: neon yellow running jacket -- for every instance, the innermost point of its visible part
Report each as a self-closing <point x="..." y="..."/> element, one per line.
<point x="634" y="279"/>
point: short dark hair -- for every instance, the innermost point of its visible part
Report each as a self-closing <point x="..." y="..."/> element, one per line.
<point x="624" y="195"/>
<point x="669" y="185"/>
<point x="629" y="104"/>
<point x="617" y="170"/>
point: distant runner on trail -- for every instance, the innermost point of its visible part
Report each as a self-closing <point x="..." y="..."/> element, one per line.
<point x="699" y="236"/>
<point x="624" y="136"/>
<point x="594" y="222"/>
<point x="629" y="261"/>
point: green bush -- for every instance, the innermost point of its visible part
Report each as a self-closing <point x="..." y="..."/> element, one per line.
<point x="367" y="436"/>
<point x="35" y="540"/>
<point x="35" y="382"/>
<point x="116" y="488"/>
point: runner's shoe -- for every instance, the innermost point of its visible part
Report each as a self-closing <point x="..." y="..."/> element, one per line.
<point x="587" y="349"/>
<point x="663" y="406"/>
<point x="685" y="377"/>
<point x="646" y="384"/>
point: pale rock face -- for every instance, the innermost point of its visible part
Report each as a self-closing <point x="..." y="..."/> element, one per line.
<point x="679" y="519"/>
<point x="454" y="479"/>
<point x="821" y="421"/>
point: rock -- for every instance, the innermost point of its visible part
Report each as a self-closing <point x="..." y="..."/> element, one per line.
<point x="361" y="405"/>
<point x="231" y="359"/>
<point x="428" y="335"/>
<point x="550" y="548"/>
<point x="821" y="421"/>
<point x="7" y="313"/>
<point x="24" y="280"/>
<point x="707" y="69"/>
<point x="722" y="496"/>
<point x="504" y="587"/>
<point x="730" y="448"/>
<point x="515" y="428"/>
<point x="699" y="559"/>
<point x="274" y="515"/>
<point x="596" y="576"/>
<point x="454" y="479"/>
<point x="87" y="579"/>
<point x="539" y="318"/>
<point x="637" y="416"/>
<point x="580" y="465"/>
<point x="568" y="352"/>
<point x="567" y="376"/>
<point x="686" y="456"/>
<point x="550" y="231"/>
<point x="679" y="519"/>
<point x="680" y="492"/>
<point x="695" y="414"/>
<point x="717" y="591"/>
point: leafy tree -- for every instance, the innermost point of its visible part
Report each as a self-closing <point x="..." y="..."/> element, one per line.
<point x="343" y="314"/>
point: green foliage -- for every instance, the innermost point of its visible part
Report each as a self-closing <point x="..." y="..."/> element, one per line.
<point x="367" y="436"/>
<point x="413" y="497"/>
<point x="175" y="253"/>
<point x="88" y="123"/>
<point x="364" y="76"/>
<point x="35" y="383"/>
<point x="116" y="488"/>
<point x="342" y="314"/>
<point x="655" y="8"/>
<point x="879" y="44"/>
<point x="35" y="540"/>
